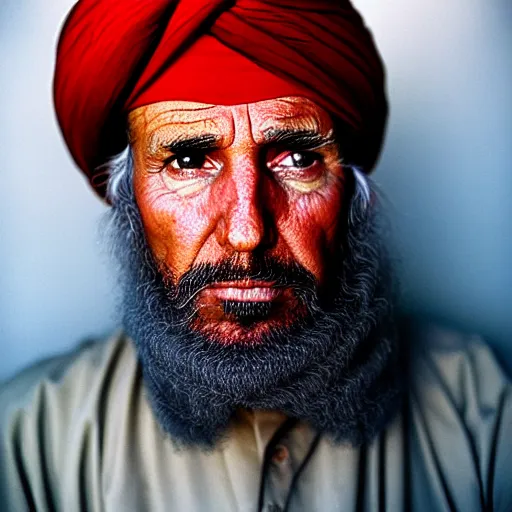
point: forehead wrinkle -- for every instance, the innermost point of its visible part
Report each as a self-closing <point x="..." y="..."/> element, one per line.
<point x="181" y="116"/>
<point x="185" y="108"/>
<point x="292" y="113"/>
<point x="292" y="102"/>
<point x="192" y="121"/>
<point x="297" y="123"/>
<point x="177" y="111"/>
<point x="249" y="120"/>
<point x="171" y="132"/>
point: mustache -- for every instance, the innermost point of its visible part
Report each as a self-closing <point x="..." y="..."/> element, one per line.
<point x="259" y="269"/>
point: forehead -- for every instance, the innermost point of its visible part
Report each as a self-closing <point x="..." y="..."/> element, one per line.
<point x="192" y="118"/>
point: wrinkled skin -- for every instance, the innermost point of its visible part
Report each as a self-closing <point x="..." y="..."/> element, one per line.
<point x="218" y="183"/>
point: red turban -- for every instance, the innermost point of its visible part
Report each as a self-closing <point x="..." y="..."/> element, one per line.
<point x="116" y="55"/>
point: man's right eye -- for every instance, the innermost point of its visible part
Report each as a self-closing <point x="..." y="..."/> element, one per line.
<point x="192" y="165"/>
<point x="188" y="161"/>
<point x="186" y="173"/>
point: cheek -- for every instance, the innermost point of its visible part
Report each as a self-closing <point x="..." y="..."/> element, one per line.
<point x="311" y="227"/>
<point x="176" y="228"/>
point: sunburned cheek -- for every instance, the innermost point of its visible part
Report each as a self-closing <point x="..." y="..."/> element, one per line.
<point x="175" y="226"/>
<point x="311" y="228"/>
<point x="186" y="187"/>
<point x="306" y="187"/>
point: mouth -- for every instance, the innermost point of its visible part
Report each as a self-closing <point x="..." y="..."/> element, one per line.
<point x="245" y="291"/>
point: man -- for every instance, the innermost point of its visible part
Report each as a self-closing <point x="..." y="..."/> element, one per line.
<point x="261" y="365"/>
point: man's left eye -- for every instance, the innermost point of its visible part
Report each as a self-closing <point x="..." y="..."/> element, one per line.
<point x="298" y="160"/>
<point x="301" y="170"/>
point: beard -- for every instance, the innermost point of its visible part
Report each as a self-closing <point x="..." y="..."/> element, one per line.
<point x="293" y="300"/>
<point x="331" y="362"/>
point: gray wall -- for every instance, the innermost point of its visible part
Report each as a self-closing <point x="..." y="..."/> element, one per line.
<point x="447" y="164"/>
<point x="446" y="173"/>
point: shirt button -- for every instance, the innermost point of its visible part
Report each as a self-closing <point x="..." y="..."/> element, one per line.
<point x="281" y="454"/>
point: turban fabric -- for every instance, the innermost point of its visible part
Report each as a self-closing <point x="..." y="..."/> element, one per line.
<point x="112" y="57"/>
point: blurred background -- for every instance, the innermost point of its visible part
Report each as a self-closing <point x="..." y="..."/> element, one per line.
<point x="446" y="173"/>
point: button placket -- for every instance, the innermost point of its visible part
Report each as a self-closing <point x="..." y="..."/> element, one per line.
<point x="279" y="477"/>
<point x="286" y="456"/>
<point x="277" y="474"/>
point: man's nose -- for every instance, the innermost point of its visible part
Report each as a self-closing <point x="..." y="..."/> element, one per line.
<point x="245" y="223"/>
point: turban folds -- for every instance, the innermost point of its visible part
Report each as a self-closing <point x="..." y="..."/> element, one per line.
<point x="116" y="55"/>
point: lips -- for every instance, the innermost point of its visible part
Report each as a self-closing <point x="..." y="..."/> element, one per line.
<point x="245" y="291"/>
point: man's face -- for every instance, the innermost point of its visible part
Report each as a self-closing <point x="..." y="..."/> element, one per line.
<point x="252" y="270"/>
<point x="241" y="185"/>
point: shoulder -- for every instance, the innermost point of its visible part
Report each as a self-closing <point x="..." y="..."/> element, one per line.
<point x="45" y="408"/>
<point x="461" y="367"/>
<point x="461" y="411"/>
<point x="69" y="377"/>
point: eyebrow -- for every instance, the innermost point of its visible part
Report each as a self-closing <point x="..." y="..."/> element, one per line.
<point x="297" y="139"/>
<point x="292" y="139"/>
<point x="203" y="142"/>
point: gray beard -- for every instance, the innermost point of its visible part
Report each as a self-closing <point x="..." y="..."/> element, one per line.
<point x="338" y="371"/>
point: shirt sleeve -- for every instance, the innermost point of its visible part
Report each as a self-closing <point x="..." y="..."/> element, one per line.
<point x="466" y="422"/>
<point x="498" y="450"/>
<point x="50" y="430"/>
<point x="27" y="459"/>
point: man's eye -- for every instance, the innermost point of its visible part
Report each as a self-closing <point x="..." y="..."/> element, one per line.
<point x="193" y="165"/>
<point x="187" y="173"/>
<point x="188" y="161"/>
<point x="296" y="160"/>
<point x="300" y="170"/>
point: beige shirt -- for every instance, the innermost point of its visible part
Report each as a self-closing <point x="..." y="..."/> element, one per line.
<point x="77" y="434"/>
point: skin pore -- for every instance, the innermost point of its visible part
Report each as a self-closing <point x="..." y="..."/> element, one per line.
<point x="236" y="183"/>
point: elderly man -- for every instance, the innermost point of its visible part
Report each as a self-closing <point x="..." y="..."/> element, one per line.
<point x="261" y="365"/>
